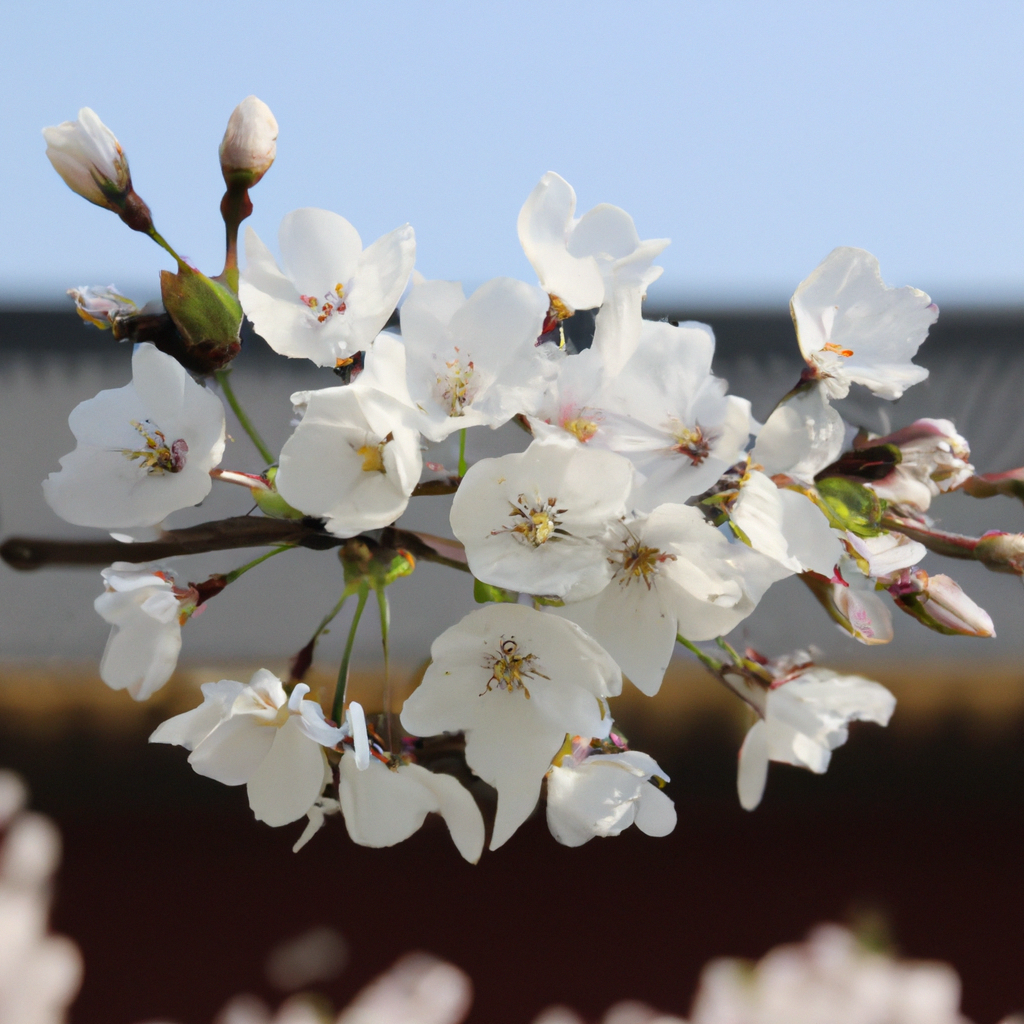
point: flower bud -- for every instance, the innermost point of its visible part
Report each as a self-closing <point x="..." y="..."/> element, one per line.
<point x="1001" y="552"/>
<point x="99" y="306"/>
<point x="249" y="145"/>
<point x="940" y="604"/>
<point x="87" y="155"/>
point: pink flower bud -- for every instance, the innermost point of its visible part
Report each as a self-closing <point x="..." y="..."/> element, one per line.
<point x="87" y="155"/>
<point x="250" y="143"/>
<point x="940" y="604"/>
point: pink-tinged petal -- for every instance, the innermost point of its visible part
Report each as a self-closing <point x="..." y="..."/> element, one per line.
<point x="289" y="778"/>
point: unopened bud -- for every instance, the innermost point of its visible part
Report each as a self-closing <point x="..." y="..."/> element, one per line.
<point x="939" y="603"/>
<point x="250" y="143"/>
<point x="99" y="306"/>
<point x="87" y="155"/>
<point x="1001" y="552"/>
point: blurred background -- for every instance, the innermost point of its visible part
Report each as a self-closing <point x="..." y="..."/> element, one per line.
<point x="757" y="138"/>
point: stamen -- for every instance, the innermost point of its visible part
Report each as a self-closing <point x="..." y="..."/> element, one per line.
<point x="638" y="562"/>
<point x="831" y="346"/>
<point x="581" y="428"/>
<point x="509" y="668"/>
<point x="158" y="456"/>
<point x="454" y="386"/>
<point x="539" y="523"/>
<point x="334" y="302"/>
<point x="373" y="455"/>
<point x="692" y="442"/>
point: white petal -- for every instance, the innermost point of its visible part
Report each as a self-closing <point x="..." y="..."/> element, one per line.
<point x="801" y="437"/>
<point x="233" y="751"/>
<point x="753" y="766"/>
<point x="656" y="813"/>
<point x="289" y="778"/>
<point x="319" y="249"/>
<point x="189" y="729"/>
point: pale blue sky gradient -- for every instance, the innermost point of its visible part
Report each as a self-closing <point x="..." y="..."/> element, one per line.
<point x="756" y="136"/>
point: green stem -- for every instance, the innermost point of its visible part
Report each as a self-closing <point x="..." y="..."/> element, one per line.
<point x="385" y="622"/>
<point x="463" y="466"/>
<point x="164" y="244"/>
<point x="222" y="377"/>
<point x="737" y="658"/>
<point x="705" y="659"/>
<point x="339" y="691"/>
<point x="230" y="577"/>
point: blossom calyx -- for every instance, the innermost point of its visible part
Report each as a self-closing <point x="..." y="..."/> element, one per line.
<point x="938" y="603"/>
<point x="207" y="315"/>
<point x="249" y="145"/>
<point x="87" y="155"/>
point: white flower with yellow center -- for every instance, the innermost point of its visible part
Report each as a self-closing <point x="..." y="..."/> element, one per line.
<point x="673" y="574"/>
<point x="332" y="297"/>
<point x="603" y="794"/>
<point x="255" y="734"/>
<point x="536" y="521"/>
<point x="353" y="460"/>
<point x="807" y="716"/>
<point x="144" y="450"/>
<point x="852" y="328"/>
<point x="515" y="681"/>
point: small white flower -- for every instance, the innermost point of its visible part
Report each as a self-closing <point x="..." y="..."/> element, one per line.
<point x="603" y="794"/>
<point x="87" y="155"/>
<point x="147" y="611"/>
<point x="144" y="450"/>
<point x="673" y="574"/>
<point x="250" y="142"/>
<point x="333" y="297"/>
<point x="385" y="805"/>
<point x="98" y="306"/>
<point x="852" y="328"/>
<point x="806" y="718"/>
<point x="535" y="521"/>
<point x="254" y="734"/>
<point x="353" y="460"/>
<point x="516" y="681"/>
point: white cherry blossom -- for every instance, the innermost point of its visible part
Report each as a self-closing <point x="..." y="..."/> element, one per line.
<point x="803" y="435"/>
<point x="353" y="459"/>
<point x="603" y="794"/>
<point x="516" y="681"/>
<point x="144" y="450"/>
<point x="384" y="805"/>
<point x="147" y="610"/>
<point x="852" y="328"/>
<point x="87" y="155"/>
<point x="332" y="297"/>
<point x="806" y="717"/>
<point x="255" y="734"/>
<point x="673" y="574"/>
<point x="535" y="521"/>
<point x="884" y="556"/>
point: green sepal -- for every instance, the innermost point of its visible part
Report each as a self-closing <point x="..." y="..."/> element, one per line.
<point x="207" y="315"/>
<point x="851" y="506"/>
<point x="270" y="502"/>
<point x="484" y="592"/>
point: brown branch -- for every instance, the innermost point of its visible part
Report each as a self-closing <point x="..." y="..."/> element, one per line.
<point x="953" y="545"/>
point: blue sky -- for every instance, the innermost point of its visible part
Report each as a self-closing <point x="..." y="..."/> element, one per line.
<point x="756" y="136"/>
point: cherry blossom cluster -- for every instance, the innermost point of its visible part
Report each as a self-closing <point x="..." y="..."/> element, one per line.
<point x="646" y="511"/>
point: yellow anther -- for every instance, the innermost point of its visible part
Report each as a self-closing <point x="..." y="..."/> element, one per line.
<point x="509" y="668"/>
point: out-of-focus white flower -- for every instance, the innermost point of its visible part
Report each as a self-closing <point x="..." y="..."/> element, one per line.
<point x="39" y="973"/>
<point x="418" y="989"/>
<point x="938" y="602"/>
<point x="87" y="155"/>
<point x="469" y="361"/>
<point x="603" y="794"/>
<point x="317" y="954"/>
<point x="806" y="717"/>
<point x="384" y="805"/>
<point x="852" y="328"/>
<point x="535" y="521"/>
<point x="596" y="260"/>
<point x="673" y="574"/>
<point x="144" y="450"/>
<point x="353" y="460"/>
<point x="249" y="144"/>
<point x="333" y="297"/>
<point x="98" y="306"/>
<point x="147" y="610"/>
<point x="257" y="735"/>
<point x="934" y="459"/>
<point x="803" y="435"/>
<point x="516" y="681"/>
<point x="785" y="525"/>
<point x="829" y="979"/>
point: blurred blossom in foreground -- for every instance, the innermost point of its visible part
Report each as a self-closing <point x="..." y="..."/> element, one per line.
<point x="39" y="973"/>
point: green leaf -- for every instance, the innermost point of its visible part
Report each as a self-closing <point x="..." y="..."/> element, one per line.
<point x="851" y="506"/>
<point x="484" y="592"/>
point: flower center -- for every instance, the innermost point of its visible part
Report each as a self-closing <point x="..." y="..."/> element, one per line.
<point x="157" y="456"/>
<point x="582" y="428"/>
<point x="334" y="302"/>
<point x="509" y="668"/>
<point x="635" y="561"/>
<point x="453" y="386"/>
<point x="536" y="524"/>
<point x="831" y="346"/>
<point x="692" y="442"/>
<point x="373" y="455"/>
